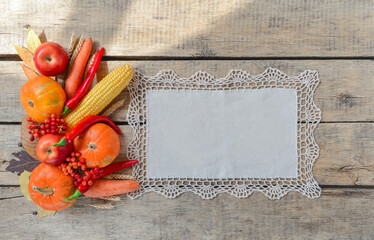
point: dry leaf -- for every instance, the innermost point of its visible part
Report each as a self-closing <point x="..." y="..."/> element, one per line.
<point x="33" y="41"/>
<point x="30" y="74"/>
<point x="113" y="108"/>
<point x="45" y="213"/>
<point x="24" y="184"/>
<point x="25" y="163"/>
<point x="42" y="37"/>
<point x="102" y="206"/>
<point x="26" y="56"/>
<point x="111" y="198"/>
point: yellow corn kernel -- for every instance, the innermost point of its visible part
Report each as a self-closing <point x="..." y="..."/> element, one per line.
<point x="101" y="95"/>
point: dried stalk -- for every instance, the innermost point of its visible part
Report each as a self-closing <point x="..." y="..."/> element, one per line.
<point x="89" y="64"/>
<point x="119" y="177"/>
<point x="111" y="198"/>
<point x="105" y="206"/>
<point x="72" y="46"/>
<point x="73" y="43"/>
<point x="76" y="51"/>
<point x="113" y="107"/>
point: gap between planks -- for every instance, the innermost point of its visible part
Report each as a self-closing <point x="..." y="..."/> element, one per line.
<point x="15" y="57"/>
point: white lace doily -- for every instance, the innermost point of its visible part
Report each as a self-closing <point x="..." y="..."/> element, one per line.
<point x="309" y="115"/>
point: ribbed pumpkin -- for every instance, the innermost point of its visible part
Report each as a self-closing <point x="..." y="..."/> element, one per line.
<point x="41" y="97"/>
<point x="99" y="145"/>
<point x="49" y="186"/>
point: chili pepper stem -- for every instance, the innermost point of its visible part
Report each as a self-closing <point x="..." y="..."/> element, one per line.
<point x="66" y="111"/>
<point x="62" y="142"/>
<point x="75" y="195"/>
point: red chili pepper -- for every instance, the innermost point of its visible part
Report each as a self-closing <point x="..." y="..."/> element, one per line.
<point x="106" y="171"/>
<point x="83" y="126"/>
<point x="82" y="91"/>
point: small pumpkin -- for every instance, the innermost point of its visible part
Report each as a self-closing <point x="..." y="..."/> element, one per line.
<point x="99" y="145"/>
<point x="49" y="186"/>
<point x="41" y="97"/>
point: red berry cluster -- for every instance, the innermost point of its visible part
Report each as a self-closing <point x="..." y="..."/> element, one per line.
<point x="76" y="167"/>
<point x="52" y="125"/>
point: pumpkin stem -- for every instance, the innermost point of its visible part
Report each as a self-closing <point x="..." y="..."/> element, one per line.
<point x="31" y="103"/>
<point x="45" y="191"/>
<point x="92" y="146"/>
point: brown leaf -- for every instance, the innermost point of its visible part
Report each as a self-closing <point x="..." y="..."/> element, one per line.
<point x="42" y="37"/>
<point x="30" y="74"/>
<point x="26" y="56"/>
<point x="33" y="41"/>
<point x="24" y="163"/>
<point x="24" y="184"/>
<point x="45" y="213"/>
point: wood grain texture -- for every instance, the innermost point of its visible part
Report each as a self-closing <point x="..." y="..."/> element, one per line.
<point x="345" y="158"/>
<point x="338" y="214"/>
<point x="214" y="29"/>
<point x="238" y="28"/>
<point x="345" y="92"/>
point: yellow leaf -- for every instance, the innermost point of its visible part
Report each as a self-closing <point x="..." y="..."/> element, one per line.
<point x="24" y="183"/>
<point x="26" y="56"/>
<point x="42" y="37"/>
<point x="45" y="213"/>
<point x="33" y="40"/>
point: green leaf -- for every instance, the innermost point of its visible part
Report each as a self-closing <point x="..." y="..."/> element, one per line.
<point x="24" y="183"/>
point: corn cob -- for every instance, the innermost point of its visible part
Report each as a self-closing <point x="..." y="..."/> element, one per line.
<point x="101" y="95"/>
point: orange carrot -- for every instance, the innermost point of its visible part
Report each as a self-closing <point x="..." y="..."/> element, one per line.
<point x="75" y="77"/>
<point x="106" y="187"/>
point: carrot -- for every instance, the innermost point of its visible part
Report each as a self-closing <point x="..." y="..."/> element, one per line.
<point x="106" y="187"/>
<point x="75" y="77"/>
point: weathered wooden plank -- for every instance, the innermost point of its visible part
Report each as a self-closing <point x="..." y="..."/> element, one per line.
<point x="345" y="159"/>
<point x="338" y="214"/>
<point x="345" y="93"/>
<point x="200" y="28"/>
<point x="10" y="192"/>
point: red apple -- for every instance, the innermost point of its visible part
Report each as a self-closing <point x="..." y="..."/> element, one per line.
<point x="50" y="59"/>
<point x="52" y="155"/>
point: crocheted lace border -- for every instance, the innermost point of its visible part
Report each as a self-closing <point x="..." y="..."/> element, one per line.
<point x="309" y="115"/>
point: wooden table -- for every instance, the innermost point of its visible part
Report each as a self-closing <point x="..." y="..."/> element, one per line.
<point x="334" y="37"/>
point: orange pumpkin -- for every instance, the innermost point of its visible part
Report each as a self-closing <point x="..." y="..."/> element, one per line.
<point x="49" y="186"/>
<point x="99" y="145"/>
<point x="41" y="97"/>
